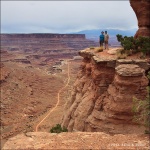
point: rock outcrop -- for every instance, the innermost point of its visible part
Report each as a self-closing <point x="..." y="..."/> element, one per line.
<point x="142" y="11"/>
<point x="102" y="95"/>
<point x="76" y="140"/>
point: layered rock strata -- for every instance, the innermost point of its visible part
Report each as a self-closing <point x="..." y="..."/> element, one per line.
<point x="142" y="11"/>
<point x="102" y="95"/>
<point x="45" y="47"/>
<point x="46" y="43"/>
<point x="43" y="35"/>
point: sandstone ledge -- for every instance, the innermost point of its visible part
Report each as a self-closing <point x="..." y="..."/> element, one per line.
<point x="76" y="140"/>
<point x="111" y="61"/>
<point x="129" y="70"/>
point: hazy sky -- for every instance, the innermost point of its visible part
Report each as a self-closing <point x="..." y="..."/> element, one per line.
<point x="65" y="16"/>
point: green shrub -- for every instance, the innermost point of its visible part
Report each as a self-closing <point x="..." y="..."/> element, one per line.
<point x="58" y="129"/>
<point x="141" y="44"/>
<point x="141" y="108"/>
<point x="144" y="45"/>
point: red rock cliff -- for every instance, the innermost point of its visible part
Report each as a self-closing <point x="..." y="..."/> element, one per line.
<point x="102" y="95"/>
<point x="142" y="11"/>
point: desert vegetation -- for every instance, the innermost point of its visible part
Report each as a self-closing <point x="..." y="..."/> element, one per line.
<point x="97" y="49"/>
<point x="58" y="129"/>
<point x="141" y="108"/>
<point x="133" y="45"/>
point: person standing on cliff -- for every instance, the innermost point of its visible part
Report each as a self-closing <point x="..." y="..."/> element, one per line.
<point x="101" y="39"/>
<point x="106" y="38"/>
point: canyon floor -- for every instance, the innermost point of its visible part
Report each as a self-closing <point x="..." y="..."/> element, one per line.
<point x="29" y="91"/>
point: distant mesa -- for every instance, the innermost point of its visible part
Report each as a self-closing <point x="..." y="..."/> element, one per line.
<point x="43" y="35"/>
<point x="46" y="46"/>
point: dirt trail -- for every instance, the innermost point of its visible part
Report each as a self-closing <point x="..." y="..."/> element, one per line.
<point x="58" y="100"/>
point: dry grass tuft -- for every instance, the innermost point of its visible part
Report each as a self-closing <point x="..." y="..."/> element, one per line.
<point x="121" y="54"/>
<point x="92" y="47"/>
<point x="98" y="49"/>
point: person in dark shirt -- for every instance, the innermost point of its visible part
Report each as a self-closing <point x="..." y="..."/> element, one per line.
<point x="101" y="39"/>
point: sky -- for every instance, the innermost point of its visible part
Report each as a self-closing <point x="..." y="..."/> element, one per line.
<point x="65" y="16"/>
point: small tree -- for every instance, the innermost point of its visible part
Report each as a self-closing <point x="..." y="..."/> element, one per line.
<point x="58" y="129"/>
<point x="141" y="44"/>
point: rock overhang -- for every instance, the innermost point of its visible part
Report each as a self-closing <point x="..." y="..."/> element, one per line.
<point x="98" y="59"/>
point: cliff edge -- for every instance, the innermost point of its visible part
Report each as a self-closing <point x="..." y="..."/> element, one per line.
<point x="102" y="95"/>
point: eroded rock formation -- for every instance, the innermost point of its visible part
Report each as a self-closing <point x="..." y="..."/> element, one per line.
<point x="102" y="95"/>
<point x="142" y="11"/>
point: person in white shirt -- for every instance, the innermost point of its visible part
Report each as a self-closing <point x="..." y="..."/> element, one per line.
<point x="106" y="38"/>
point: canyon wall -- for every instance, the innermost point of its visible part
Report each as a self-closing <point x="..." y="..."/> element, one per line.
<point x="142" y="11"/>
<point x="101" y="100"/>
<point x="46" y="45"/>
<point x="43" y="35"/>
